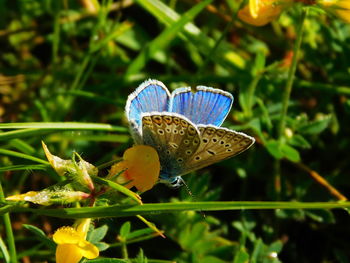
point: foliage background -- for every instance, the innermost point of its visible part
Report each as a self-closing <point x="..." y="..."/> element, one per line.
<point x="77" y="61"/>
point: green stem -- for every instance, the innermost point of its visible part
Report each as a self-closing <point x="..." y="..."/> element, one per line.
<point x="251" y="92"/>
<point x="286" y="97"/>
<point x="156" y="208"/>
<point x="8" y="230"/>
<point x="218" y="42"/>
<point x="291" y="75"/>
<point x="124" y="250"/>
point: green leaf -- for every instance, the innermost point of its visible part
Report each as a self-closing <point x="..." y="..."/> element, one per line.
<point x="290" y="153"/>
<point x="163" y="40"/>
<point x="102" y="246"/>
<point x="224" y="55"/>
<point x="125" y="230"/>
<point x="273" y="147"/>
<point x="211" y="259"/>
<point x="299" y="141"/>
<point x="4" y="252"/>
<point x="321" y="216"/>
<point x="315" y="127"/>
<point x="241" y="256"/>
<point x="259" y="63"/>
<point x="141" y="258"/>
<point x="97" y="234"/>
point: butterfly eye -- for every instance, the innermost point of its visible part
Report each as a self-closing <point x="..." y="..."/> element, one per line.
<point x="184" y="123"/>
<point x="214" y="140"/>
<point x="180" y="160"/>
<point x="168" y="130"/>
<point x="174" y="145"/>
<point x="181" y="132"/>
<point x="205" y="140"/>
<point x="186" y="142"/>
<point x="160" y="132"/>
<point x="191" y="130"/>
<point x="175" y="131"/>
<point x="211" y="152"/>
<point x="157" y="120"/>
<point x="195" y="141"/>
<point x="188" y="152"/>
<point x="167" y="119"/>
<point x="220" y="133"/>
<point x="197" y="158"/>
<point x="167" y="152"/>
<point x="222" y="142"/>
<point x="227" y="145"/>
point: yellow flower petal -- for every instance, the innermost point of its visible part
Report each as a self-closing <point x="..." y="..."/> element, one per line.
<point x="83" y="227"/>
<point x="68" y="253"/>
<point x="340" y="8"/>
<point x="67" y="235"/>
<point x="88" y="250"/>
<point x="261" y="12"/>
<point x="141" y="165"/>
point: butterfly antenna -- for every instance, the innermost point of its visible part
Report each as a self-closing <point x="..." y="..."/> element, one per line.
<point x="191" y="194"/>
<point x="187" y="188"/>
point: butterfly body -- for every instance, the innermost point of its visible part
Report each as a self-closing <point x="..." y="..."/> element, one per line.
<point x="183" y="127"/>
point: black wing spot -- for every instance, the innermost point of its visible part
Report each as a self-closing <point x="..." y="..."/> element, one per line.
<point x="211" y="152"/>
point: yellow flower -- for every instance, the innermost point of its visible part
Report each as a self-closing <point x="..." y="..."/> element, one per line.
<point x="261" y="12"/>
<point x="141" y="168"/>
<point x="72" y="245"/>
<point x="340" y="8"/>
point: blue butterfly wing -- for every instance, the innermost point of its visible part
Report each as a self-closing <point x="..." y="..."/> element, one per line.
<point x="151" y="95"/>
<point x="205" y="106"/>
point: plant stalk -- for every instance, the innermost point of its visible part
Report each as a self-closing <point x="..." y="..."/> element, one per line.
<point x="8" y="230"/>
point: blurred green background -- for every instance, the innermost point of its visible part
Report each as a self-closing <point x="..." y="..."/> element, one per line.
<point x="77" y="61"/>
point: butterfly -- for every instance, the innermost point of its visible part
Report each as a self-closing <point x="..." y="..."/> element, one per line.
<point x="184" y="127"/>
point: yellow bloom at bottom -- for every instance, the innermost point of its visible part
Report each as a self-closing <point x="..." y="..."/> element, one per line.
<point x="141" y="168"/>
<point x="72" y="245"/>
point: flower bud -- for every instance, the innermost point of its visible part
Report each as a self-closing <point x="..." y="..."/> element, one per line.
<point x="49" y="197"/>
<point x="81" y="170"/>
